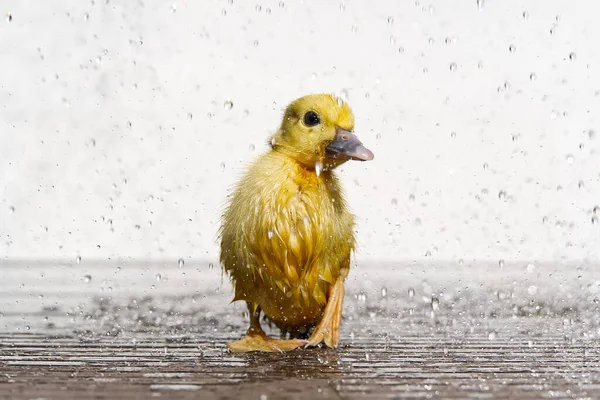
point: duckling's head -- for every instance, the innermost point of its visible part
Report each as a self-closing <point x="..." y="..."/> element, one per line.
<point x="318" y="128"/>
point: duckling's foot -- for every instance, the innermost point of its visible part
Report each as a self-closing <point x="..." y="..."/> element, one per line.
<point x="261" y="342"/>
<point x="328" y="330"/>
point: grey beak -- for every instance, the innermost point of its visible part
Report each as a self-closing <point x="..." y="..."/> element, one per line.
<point x="347" y="146"/>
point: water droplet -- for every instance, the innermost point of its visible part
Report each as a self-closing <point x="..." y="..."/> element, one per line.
<point x="87" y="278"/>
<point x="222" y="166"/>
<point x="591" y="134"/>
<point x="129" y="124"/>
<point x="530" y="268"/>
<point x="512" y="48"/>
<point x="158" y="277"/>
<point x="595" y="220"/>
<point x="390" y="20"/>
<point x="319" y="167"/>
<point x="581" y="184"/>
<point x="435" y="303"/>
<point x="211" y="265"/>
<point x="480" y="65"/>
<point x="281" y="4"/>
<point x="532" y="77"/>
<point x="492" y="335"/>
<point x="270" y="234"/>
<point x="453" y="67"/>
<point x="28" y="327"/>
<point x="532" y="290"/>
<point x="354" y="28"/>
<point x="383" y="291"/>
<point x="180" y="262"/>
<point x="453" y="135"/>
<point x="502" y="195"/>
<point x="251" y="147"/>
<point x="228" y="105"/>
<point x="572" y="56"/>
<point x="344" y="95"/>
<point x="400" y="49"/>
<point x="190" y="116"/>
<point x="501" y="263"/>
<point x="258" y="7"/>
<point x="480" y="4"/>
<point x="255" y="43"/>
<point x="569" y="159"/>
<point x="342" y="6"/>
<point x="394" y="201"/>
<point x="411" y="198"/>
<point x="361" y="297"/>
<point x="411" y="293"/>
<point x="525" y="15"/>
<point x="9" y="17"/>
<point x="78" y="260"/>
<point x="596" y="210"/>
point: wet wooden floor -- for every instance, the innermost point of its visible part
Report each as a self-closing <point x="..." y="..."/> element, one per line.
<point x="137" y="331"/>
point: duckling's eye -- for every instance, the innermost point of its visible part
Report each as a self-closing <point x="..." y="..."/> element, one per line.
<point x="311" y="118"/>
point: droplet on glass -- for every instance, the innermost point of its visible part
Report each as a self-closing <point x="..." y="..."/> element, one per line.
<point x="251" y="147"/>
<point x="270" y="234"/>
<point x="512" y="48"/>
<point x="78" y="260"/>
<point x="411" y="293"/>
<point x="501" y="263"/>
<point x="87" y="278"/>
<point x="390" y="20"/>
<point x="158" y="277"/>
<point x="570" y="159"/>
<point x="354" y="28"/>
<point x="596" y="210"/>
<point x="394" y="201"/>
<point x="591" y="134"/>
<point x="492" y="336"/>
<point x="453" y="135"/>
<point x="532" y="77"/>
<point x="190" y="116"/>
<point x="572" y="56"/>
<point x="383" y="291"/>
<point x="435" y="303"/>
<point x="222" y="166"/>
<point x="480" y="4"/>
<point x="525" y="15"/>
<point x="453" y="67"/>
<point x="530" y="267"/>
<point x="180" y="262"/>
<point x="228" y="105"/>
<point x="502" y="195"/>
<point x="9" y="17"/>
<point x="400" y="49"/>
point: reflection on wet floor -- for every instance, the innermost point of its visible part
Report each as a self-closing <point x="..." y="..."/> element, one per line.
<point x="481" y="331"/>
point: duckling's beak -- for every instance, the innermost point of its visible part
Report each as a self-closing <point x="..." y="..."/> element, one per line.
<point x="347" y="146"/>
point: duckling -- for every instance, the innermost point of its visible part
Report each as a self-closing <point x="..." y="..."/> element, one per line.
<point x="287" y="234"/>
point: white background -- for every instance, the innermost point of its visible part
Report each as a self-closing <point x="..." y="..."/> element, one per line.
<point x="116" y="141"/>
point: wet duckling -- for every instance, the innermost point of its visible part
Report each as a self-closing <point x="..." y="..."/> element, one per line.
<point x="287" y="233"/>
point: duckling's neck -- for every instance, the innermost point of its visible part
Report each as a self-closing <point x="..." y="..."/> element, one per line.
<point x="312" y="163"/>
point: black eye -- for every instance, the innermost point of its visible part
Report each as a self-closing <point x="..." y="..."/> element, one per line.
<point x="311" y="118"/>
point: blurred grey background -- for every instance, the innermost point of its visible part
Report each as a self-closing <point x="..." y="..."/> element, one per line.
<point x="124" y="123"/>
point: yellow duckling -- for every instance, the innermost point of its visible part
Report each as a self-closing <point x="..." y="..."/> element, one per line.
<point x="287" y="234"/>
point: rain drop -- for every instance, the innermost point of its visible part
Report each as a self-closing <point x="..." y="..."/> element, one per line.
<point x="512" y="48"/>
<point x="9" y="17"/>
<point x="390" y="20"/>
<point x="480" y="4"/>
<point x="319" y="167"/>
<point x="158" y="277"/>
<point x="251" y="147"/>
<point x="87" y="278"/>
<point x="570" y="159"/>
<point x="211" y="265"/>
<point x="532" y="77"/>
<point x="190" y="116"/>
<point x="394" y="201"/>
<point x="180" y="262"/>
<point x="532" y="290"/>
<point x="361" y="297"/>
<point x="595" y="220"/>
<point x="572" y="56"/>
<point x="501" y="263"/>
<point x="596" y="210"/>
<point x="502" y="195"/>
<point x="492" y="335"/>
<point x="228" y="105"/>
<point x="383" y="292"/>
<point x="453" y="67"/>
<point x="411" y="293"/>
<point x="525" y="15"/>
<point x="591" y="134"/>
<point x="530" y="267"/>
<point x="435" y="303"/>
<point x="270" y="234"/>
<point x="78" y="260"/>
<point x="222" y="166"/>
